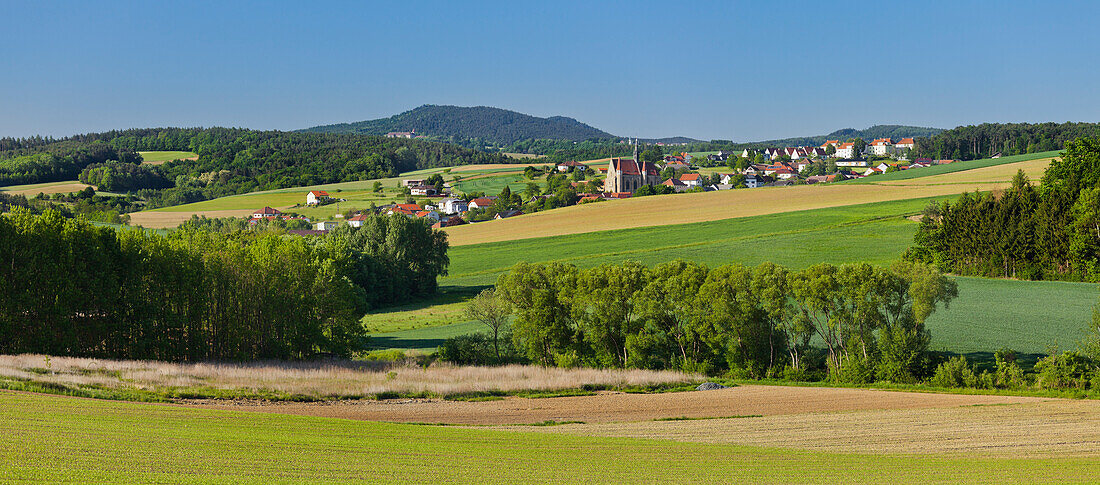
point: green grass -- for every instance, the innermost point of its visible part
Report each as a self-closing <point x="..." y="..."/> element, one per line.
<point x="493" y="185"/>
<point x="951" y="167"/>
<point x="424" y="340"/>
<point x="445" y="308"/>
<point x="52" y="438"/>
<point x="166" y="156"/>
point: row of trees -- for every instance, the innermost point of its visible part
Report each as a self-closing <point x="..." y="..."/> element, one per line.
<point x="758" y="322"/>
<point x="987" y="139"/>
<point x="37" y="163"/>
<point x="1049" y="232"/>
<point x="123" y="177"/>
<point x="70" y="288"/>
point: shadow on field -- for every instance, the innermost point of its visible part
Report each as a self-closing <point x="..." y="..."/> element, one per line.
<point x="986" y="361"/>
<point x="377" y="343"/>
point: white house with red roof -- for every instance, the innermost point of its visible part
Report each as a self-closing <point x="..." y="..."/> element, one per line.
<point x="315" y="197"/>
<point x="846" y="150"/>
<point x="691" y="179"/>
<point x="357" y="221"/>
<point x="905" y="143"/>
<point x="881" y="146"/>
<point x="481" y="202"/>
<point x="266" y="212"/>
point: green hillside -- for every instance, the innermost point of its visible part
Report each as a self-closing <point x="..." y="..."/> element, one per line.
<point x="488" y="124"/>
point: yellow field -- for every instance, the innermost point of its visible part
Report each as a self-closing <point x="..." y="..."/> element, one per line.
<point x="997" y="173"/>
<point x="727" y="204"/>
<point x="46" y="188"/>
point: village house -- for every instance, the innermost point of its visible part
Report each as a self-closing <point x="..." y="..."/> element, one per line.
<point x="829" y="143"/>
<point x="448" y="222"/>
<point x="453" y="206"/>
<point x="676" y="165"/>
<point x="357" y="220"/>
<point x="846" y="150"/>
<point x="881" y="146"/>
<point x="676" y="185"/>
<point x="326" y="225"/>
<point x="401" y="134"/>
<point x="481" y="202"/>
<point x="266" y="212"/>
<point x="423" y="190"/>
<point x="428" y="214"/>
<point x="691" y="179"/>
<point x="508" y="213"/>
<point x="905" y="144"/>
<point x="754" y="181"/>
<point x="315" y="197"/>
<point x="571" y="166"/>
<point x="412" y="182"/>
<point x="628" y="175"/>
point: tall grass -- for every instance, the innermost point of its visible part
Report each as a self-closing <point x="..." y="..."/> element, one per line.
<point x="317" y="380"/>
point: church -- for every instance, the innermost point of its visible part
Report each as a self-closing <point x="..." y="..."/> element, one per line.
<point x="628" y="175"/>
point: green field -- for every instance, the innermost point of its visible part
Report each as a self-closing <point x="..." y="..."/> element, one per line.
<point x="951" y="167"/>
<point x="1027" y="316"/>
<point x="155" y="157"/>
<point x="57" y="438"/>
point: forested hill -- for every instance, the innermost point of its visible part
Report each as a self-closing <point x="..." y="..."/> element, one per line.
<point x="231" y="160"/>
<point x="489" y="125"/>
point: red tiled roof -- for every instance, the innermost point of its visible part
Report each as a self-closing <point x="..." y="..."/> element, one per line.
<point x="905" y="141"/>
<point x="689" y="176"/>
<point x="482" y="201"/>
<point x="632" y="167"/>
<point x="319" y="193"/>
<point x="409" y="207"/>
<point x="268" y="211"/>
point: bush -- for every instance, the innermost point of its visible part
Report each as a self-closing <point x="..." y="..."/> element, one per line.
<point x="477" y="349"/>
<point x="1069" y="370"/>
<point x="1008" y="375"/>
<point x="955" y="373"/>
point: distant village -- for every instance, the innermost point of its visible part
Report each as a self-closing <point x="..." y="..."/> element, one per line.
<point x="623" y="178"/>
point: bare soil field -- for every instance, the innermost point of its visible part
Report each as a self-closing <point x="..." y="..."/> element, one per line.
<point x="617" y="407"/>
<point x="1037" y="428"/>
<point x="166" y="219"/>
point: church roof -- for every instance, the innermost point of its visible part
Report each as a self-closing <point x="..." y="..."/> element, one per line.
<point x="629" y="166"/>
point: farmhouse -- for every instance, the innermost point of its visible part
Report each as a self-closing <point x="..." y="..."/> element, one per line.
<point x="422" y="190"/>
<point x="676" y="185"/>
<point x="357" y="221"/>
<point x="266" y="212"/>
<point x="315" y="197"/>
<point x="628" y="175"/>
<point x="905" y="143"/>
<point x="481" y="202"/>
<point x="691" y="179"/>
<point x="326" y="225"/>
<point x="412" y="182"/>
<point x="571" y="165"/>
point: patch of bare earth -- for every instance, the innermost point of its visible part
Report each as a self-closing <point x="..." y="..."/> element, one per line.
<point x="612" y="407"/>
<point x="49" y="189"/>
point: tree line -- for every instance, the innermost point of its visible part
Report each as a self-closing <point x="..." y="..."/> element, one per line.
<point x="70" y="288"/>
<point x="754" y="322"/>
<point x="987" y="139"/>
<point x="1046" y="232"/>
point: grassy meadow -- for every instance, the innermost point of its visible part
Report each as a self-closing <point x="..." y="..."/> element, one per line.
<point x="56" y="438"/>
<point x="156" y="158"/>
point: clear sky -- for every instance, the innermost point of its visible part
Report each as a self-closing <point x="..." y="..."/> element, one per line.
<point x="732" y="70"/>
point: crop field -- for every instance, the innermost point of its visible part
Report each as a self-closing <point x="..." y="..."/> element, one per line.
<point x="955" y="167"/>
<point x="997" y="173"/>
<point x="56" y="438"/>
<point x="32" y="190"/>
<point x="695" y="207"/>
<point x="157" y="158"/>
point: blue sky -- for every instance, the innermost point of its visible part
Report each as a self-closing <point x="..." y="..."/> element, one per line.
<point x="731" y="70"/>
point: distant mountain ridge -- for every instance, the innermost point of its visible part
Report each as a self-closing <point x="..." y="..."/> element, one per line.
<point x="876" y="131"/>
<point x="491" y="125"/>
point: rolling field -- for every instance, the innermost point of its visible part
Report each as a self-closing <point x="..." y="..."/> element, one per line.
<point x="157" y="158"/>
<point x="55" y="438"/>
<point x="954" y="167"/>
<point x="32" y="190"/>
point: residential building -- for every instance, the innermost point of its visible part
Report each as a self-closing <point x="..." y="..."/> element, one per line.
<point x="423" y="190"/>
<point x="676" y="185"/>
<point x="905" y="144"/>
<point x="691" y="179"/>
<point x="401" y="134"/>
<point x="357" y="221"/>
<point x="846" y="150"/>
<point x="481" y="202"/>
<point x="315" y="197"/>
<point x="326" y="225"/>
<point x="508" y="213"/>
<point x="453" y="206"/>
<point x="881" y="146"/>
<point x="266" y="212"/>
<point x="571" y="166"/>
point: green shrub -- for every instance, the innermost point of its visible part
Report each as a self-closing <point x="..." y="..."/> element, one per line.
<point x="1068" y="370"/>
<point x="956" y="372"/>
<point x="1008" y="374"/>
<point x="477" y="349"/>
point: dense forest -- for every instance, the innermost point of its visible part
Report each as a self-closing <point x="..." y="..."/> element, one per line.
<point x="70" y="288"/>
<point x="231" y="161"/>
<point x="752" y="322"/>
<point x="1049" y="232"/>
<point x="477" y="126"/>
<point x="988" y="139"/>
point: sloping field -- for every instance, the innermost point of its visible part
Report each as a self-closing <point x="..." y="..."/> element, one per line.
<point x="713" y="206"/>
<point x="55" y="438"/>
<point x="687" y="208"/>
<point x="157" y="158"/>
<point x="45" y="188"/>
<point x="617" y="407"/>
<point x="166" y="219"/>
<point x="1033" y="428"/>
<point x="954" y="167"/>
<point x="997" y="173"/>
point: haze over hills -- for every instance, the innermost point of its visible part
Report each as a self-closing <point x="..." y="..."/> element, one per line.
<point x="876" y="131"/>
<point x="492" y="125"/>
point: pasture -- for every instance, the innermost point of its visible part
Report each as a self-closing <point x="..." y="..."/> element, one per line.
<point x="47" y="188"/>
<point x="56" y="438"/>
<point x="157" y="158"/>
